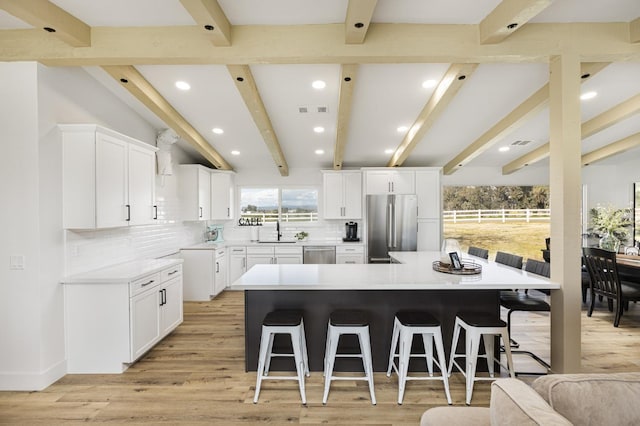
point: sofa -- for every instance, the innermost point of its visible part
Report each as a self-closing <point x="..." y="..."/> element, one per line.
<point x="558" y="399"/>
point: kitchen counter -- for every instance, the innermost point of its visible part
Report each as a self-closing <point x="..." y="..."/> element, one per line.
<point x="246" y="243"/>
<point x="381" y="290"/>
<point x="123" y="272"/>
<point x="413" y="273"/>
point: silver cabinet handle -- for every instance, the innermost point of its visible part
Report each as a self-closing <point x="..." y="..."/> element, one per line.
<point x="147" y="283"/>
<point x="173" y="272"/>
<point x="200" y="211"/>
<point x="228" y="211"/>
<point x="217" y="267"/>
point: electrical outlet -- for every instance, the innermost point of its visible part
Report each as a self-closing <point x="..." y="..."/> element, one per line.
<point x="16" y="262"/>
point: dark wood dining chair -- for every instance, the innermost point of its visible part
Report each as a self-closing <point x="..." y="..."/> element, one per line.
<point x="478" y="252"/>
<point x="605" y="281"/>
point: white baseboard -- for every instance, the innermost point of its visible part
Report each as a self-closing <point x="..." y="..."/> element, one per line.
<point x="32" y="381"/>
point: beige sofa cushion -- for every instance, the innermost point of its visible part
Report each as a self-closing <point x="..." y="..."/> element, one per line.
<point x="515" y="403"/>
<point x="593" y="399"/>
<point x="455" y="416"/>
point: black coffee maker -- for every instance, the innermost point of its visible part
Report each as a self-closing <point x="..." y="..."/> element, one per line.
<point x="351" y="231"/>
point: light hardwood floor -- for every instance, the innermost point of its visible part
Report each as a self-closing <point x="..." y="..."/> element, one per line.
<point x="196" y="376"/>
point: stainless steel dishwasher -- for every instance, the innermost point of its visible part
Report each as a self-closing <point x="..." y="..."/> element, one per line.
<point x="319" y="254"/>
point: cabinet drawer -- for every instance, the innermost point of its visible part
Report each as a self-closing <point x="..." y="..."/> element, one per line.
<point x="260" y="250"/>
<point x="288" y="250"/>
<point x="142" y="284"/>
<point x="350" y="259"/>
<point x="238" y="250"/>
<point x="350" y="249"/>
<point x="169" y="273"/>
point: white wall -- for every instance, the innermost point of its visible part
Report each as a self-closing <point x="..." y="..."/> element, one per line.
<point x="35" y="99"/>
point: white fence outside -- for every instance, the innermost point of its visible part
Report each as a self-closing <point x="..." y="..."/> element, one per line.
<point x="500" y="215"/>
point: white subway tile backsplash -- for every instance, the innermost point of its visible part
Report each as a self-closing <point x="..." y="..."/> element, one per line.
<point x="87" y="250"/>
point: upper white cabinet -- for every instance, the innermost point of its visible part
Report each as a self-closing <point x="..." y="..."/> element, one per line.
<point x="428" y="189"/>
<point x="389" y="182"/>
<point x="108" y="178"/>
<point x="342" y="194"/>
<point x="222" y="194"/>
<point x="195" y="192"/>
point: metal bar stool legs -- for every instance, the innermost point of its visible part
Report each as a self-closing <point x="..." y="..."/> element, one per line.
<point x="406" y="325"/>
<point x="478" y="326"/>
<point x="348" y="322"/>
<point x="283" y="322"/>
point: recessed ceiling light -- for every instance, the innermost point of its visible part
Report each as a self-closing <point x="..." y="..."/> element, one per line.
<point x="388" y="151"/>
<point x="588" y="95"/>
<point x="503" y="149"/>
<point x="402" y="129"/>
<point x="428" y="84"/>
<point x="217" y="130"/>
<point x="234" y="152"/>
<point x="318" y="129"/>
<point x="319" y="84"/>
<point x="183" y="85"/>
<point x="319" y="151"/>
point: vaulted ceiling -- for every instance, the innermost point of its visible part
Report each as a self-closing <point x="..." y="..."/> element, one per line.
<point x="408" y="82"/>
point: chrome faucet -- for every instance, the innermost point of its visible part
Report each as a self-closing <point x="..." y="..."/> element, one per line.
<point x="278" y="229"/>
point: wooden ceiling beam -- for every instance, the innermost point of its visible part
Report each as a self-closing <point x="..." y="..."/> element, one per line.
<point x="49" y="17"/>
<point x="508" y="17"/>
<point x="614" y="148"/>
<point x="516" y="118"/>
<point x="445" y="92"/>
<point x="356" y="24"/>
<point x="634" y="31"/>
<point x="131" y="79"/>
<point x="348" y="76"/>
<point x="243" y="78"/>
<point x="589" y="128"/>
<point x="322" y="44"/>
<point x="211" y="19"/>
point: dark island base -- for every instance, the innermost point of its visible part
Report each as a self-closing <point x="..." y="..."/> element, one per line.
<point x="381" y="306"/>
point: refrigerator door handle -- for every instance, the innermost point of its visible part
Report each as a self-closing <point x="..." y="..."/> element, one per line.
<point x="395" y="228"/>
<point x="389" y="224"/>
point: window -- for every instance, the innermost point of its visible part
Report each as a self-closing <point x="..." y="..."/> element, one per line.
<point x="284" y="204"/>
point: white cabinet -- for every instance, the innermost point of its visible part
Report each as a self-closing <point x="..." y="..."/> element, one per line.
<point x="269" y="254"/>
<point x="220" y="271"/>
<point x="205" y="272"/>
<point x="237" y="263"/>
<point x="108" y="179"/>
<point x="389" y="182"/>
<point x="194" y="182"/>
<point x="342" y="194"/>
<point x="287" y="255"/>
<point x="222" y="195"/>
<point x="429" y="191"/>
<point x="349" y="254"/>
<point x="112" y="322"/>
<point x="429" y="234"/>
<point x="199" y="275"/>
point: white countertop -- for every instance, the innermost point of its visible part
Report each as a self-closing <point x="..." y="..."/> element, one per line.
<point x="236" y="243"/>
<point x="414" y="273"/>
<point x="123" y="272"/>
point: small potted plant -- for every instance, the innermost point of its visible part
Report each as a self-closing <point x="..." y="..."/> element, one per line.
<point x="611" y="225"/>
<point x="302" y="236"/>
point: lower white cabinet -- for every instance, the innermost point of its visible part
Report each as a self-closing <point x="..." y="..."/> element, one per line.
<point x="349" y="254"/>
<point x="237" y="263"/>
<point x="205" y="273"/>
<point x="110" y="323"/>
<point x="288" y="255"/>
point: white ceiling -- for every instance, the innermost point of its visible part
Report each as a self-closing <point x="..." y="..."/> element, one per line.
<point x="386" y="95"/>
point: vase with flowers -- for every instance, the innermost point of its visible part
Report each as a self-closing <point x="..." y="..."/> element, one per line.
<point x="611" y="225"/>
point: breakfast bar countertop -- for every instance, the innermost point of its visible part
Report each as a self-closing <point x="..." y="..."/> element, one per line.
<point x="415" y="272"/>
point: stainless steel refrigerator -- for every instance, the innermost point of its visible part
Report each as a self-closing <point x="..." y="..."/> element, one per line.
<point x="392" y="225"/>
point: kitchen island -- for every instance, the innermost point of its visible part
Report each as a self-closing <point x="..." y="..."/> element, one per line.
<point x="379" y="289"/>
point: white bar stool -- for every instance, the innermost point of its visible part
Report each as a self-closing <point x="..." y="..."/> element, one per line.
<point x="348" y="322"/>
<point x="283" y="322"/>
<point x="406" y="324"/>
<point x="477" y="325"/>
